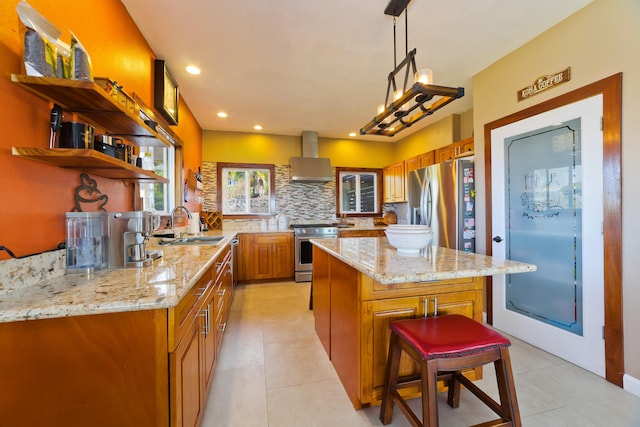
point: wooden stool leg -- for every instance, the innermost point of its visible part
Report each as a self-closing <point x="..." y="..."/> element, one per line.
<point x="507" y="388"/>
<point x="453" y="393"/>
<point x="430" y="393"/>
<point x="391" y="379"/>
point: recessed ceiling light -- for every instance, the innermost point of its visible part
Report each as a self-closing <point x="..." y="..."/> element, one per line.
<point x="222" y="115"/>
<point x="257" y="127"/>
<point x="192" y="69"/>
<point x="352" y="134"/>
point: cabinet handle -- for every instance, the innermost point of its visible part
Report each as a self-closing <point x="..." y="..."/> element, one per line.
<point x="426" y="306"/>
<point x="205" y="314"/>
<point x="221" y="292"/>
<point x="223" y="327"/>
<point x="201" y="292"/>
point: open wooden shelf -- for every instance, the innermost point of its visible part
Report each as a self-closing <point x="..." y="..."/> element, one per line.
<point x="94" y="106"/>
<point x="91" y="161"/>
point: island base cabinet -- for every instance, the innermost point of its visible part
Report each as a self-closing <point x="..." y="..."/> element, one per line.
<point x="376" y="316"/>
<point x="352" y="314"/>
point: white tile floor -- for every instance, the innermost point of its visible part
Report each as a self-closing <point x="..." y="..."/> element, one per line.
<point x="273" y="372"/>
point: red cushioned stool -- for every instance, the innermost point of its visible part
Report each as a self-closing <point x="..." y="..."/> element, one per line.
<point x="445" y="346"/>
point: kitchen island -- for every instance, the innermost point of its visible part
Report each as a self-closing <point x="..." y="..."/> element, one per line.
<point x="362" y="284"/>
<point x="118" y="347"/>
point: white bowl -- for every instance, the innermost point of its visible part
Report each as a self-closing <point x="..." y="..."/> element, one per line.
<point x="408" y="227"/>
<point x="409" y="240"/>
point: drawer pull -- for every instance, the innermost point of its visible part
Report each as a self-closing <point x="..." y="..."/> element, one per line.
<point x="207" y="329"/>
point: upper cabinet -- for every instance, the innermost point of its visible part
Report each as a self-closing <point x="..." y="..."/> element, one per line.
<point x="420" y="161"/>
<point x="461" y="148"/>
<point x="89" y="103"/>
<point x="394" y="177"/>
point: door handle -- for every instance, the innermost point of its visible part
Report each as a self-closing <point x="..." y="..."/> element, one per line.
<point x="497" y="239"/>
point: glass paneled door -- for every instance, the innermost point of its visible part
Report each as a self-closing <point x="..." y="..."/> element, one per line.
<point x="547" y="210"/>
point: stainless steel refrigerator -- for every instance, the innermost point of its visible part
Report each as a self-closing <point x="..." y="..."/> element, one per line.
<point x="442" y="196"/>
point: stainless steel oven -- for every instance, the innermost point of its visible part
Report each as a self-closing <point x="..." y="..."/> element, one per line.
<point x="303" y="248"/>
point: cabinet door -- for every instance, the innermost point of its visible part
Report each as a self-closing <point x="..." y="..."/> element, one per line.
<point x="245" y="257"/>
<point x="427" y="159"/>
<point x="465" y="147"/>
<point x="411" y="164"/>
<point x="185" y="383"/>
<point x="262" y="259"/>
<point x="446" y="153"/>
<point x="398" y="182"/>
<point x="208" y="337"/>
<point x="376" y="316"/>
<point x="388" y="189"/>
<point x="283" y="257"/>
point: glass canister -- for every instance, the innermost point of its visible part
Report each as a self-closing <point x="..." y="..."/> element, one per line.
<point x="87" y="241"/>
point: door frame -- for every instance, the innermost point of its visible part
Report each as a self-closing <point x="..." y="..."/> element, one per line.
<point x="611" y="90"/>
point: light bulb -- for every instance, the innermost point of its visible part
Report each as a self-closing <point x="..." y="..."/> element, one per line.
<point x="397" y="95"/>
<point x="424" y="76"/>
<point x="380" y="109"/>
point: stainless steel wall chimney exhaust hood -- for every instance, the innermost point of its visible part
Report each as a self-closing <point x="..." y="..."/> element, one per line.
<point x="309" y="167"/>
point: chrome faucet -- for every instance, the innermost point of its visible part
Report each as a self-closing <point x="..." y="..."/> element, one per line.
<point x="173" y="216"/>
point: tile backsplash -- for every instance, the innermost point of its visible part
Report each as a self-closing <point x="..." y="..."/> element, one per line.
<point x="24" y="272"/>
<point x="300" y="202"/>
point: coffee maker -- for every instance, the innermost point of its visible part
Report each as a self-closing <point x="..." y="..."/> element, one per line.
<point x="128" y="234"/>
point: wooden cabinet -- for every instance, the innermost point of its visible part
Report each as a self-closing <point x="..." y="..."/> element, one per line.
<point x="376" y="316"/>
<point x="142" y="368"/>
<point x="191" y="352"/>
<point x="223" y="297"/>
<point x="198" y="327"/>
<point x="419" y="161"/>
<point x="353" y="313"/>
<point x="265" y="256"/>
<point x="393" y="178"/>
<point x="461" y="148"/>
<point x="185" y="384"/>
<point x="89" y="103"/>
<point x="361" y="233"/>
<point x="104" y="369"/>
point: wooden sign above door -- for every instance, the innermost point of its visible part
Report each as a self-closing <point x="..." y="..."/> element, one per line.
<point x="545" y="82"/>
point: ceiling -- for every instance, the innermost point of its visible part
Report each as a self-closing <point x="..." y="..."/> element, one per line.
<point x="294" y="65"/>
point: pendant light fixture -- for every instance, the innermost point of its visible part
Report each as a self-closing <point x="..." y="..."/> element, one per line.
<point x="403" y="106"/>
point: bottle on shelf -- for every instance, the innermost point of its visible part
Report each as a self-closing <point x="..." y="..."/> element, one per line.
<point x="147" y="162"/>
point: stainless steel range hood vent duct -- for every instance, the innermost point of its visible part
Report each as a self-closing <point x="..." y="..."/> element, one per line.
<point x="309" y="167"/>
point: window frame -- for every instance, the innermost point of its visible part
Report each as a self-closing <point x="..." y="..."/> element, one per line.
<point x="245" y="166"/>
<point x="167" y="156"/>
<point x="358" y="171"/>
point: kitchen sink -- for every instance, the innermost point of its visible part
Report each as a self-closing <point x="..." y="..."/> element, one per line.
<point x="194" y="240"/>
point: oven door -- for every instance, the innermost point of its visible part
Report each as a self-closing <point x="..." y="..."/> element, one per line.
<point x="303" y="253"/>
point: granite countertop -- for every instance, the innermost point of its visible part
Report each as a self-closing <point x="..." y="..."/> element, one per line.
<point x="160" y="285"/>
<point x="376" y="258"/>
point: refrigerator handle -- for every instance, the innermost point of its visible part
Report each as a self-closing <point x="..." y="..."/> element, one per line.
<point x="426" y="202"/>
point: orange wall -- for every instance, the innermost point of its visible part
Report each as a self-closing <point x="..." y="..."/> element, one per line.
<point x="34" y="196"/>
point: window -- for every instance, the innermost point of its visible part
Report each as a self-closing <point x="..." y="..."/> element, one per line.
<point x="358" y="191"/>
<point x="158" y="197"/>
<point x="246" y="189"/>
